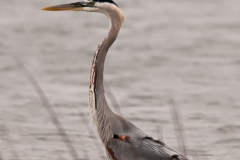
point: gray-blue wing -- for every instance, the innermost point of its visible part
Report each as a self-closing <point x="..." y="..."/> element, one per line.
<point x="160" y="148"/>
<point x="120" y="150"/>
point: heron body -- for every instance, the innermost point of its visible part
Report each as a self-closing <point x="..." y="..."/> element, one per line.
<point x="122" y="140"/>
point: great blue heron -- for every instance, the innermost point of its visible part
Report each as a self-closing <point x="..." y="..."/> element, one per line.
<point x="122" y="140"/>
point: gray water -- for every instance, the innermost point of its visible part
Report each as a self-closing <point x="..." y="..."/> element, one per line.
<point x="184" y="50"/>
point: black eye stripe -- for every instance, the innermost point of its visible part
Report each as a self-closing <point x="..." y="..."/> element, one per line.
<point x="77" y="4"/>
<point x="108" y="1"/>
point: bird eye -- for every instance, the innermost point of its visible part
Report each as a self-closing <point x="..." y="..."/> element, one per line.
<point x="92" y="3"/>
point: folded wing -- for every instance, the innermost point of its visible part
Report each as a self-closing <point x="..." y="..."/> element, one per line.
<point x="120" y="150"/>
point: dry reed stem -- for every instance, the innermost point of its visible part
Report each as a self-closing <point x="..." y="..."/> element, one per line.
<point x="178" y="127"/>
<point x="195" y="155"/>
<point x="90" y="132"/>
<point x="50" y="110"/>
<point x="159" y="133"/>
<point x="113" y="99"/>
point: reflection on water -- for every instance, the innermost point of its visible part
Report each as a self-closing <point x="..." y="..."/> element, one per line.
<point x="185" y="49"/>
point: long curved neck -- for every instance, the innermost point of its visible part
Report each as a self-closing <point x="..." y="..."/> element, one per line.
<point x="100" y="55"/>
<point x="100" y="112"/>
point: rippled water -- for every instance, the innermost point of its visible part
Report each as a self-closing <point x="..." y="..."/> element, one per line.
<point x="188" y="50"/>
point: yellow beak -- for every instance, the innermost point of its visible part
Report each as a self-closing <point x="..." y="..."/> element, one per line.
<point x="78" y="6"/>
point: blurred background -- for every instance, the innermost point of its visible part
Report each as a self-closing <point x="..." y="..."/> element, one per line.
<point x="167" y="49"/>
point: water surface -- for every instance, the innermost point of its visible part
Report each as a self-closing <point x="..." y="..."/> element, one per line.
<point x="186" y="50"/>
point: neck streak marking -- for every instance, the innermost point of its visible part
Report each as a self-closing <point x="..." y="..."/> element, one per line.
<point x="93" y="76"/>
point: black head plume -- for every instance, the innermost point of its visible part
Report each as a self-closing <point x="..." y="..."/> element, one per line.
<point x="107" y="1"/>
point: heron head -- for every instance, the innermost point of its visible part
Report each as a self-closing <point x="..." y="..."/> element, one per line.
<point x="87" y="5"/>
